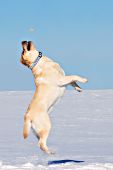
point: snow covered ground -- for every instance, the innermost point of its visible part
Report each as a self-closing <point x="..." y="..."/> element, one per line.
<point x="82" y="130"/>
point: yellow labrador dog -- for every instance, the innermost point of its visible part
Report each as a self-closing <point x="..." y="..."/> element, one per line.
<point x="50" y="81"/>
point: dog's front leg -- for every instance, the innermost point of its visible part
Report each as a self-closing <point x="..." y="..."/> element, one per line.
<point x="65" y="80"/>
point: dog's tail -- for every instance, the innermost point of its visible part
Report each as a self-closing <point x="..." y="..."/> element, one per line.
<point x="27" y="126"/>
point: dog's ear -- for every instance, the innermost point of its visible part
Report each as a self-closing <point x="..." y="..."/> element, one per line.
<point x="24" y="45"/>
<point x="31" y="46"/>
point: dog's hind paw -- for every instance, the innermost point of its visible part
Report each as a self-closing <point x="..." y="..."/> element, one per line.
<point x="50" y="152"/>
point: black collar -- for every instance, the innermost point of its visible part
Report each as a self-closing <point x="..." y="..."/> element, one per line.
<point x="36" y="61"/>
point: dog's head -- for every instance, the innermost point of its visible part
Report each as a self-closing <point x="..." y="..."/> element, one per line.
<point x="29" y="53"/>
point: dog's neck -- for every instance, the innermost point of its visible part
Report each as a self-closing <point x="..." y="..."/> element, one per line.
<point x="37" y="70"/>
<point x="36" y="61"/>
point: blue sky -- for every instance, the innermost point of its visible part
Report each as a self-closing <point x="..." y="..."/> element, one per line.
<point x="76" y="33"/>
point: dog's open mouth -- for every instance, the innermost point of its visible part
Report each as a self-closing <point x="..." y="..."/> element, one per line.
<point x="27" y="46"/>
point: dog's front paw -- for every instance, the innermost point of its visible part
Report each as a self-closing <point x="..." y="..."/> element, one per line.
<point x="78" y="89"/>
<point x="84" y="80"/>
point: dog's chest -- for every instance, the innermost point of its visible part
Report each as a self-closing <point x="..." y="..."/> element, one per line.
<point x="49" y="74"/>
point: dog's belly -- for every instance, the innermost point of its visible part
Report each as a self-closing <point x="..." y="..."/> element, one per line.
<point x="55" y="95"/>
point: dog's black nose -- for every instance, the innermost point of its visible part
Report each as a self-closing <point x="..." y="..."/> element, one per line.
<point x="24" y="42"/>
<point x="24" y="45"/>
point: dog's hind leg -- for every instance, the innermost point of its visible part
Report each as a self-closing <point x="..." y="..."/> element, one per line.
<point x="43" y="135"/>
<point x="66" y="80"/>
<point x="42" y="127"/>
